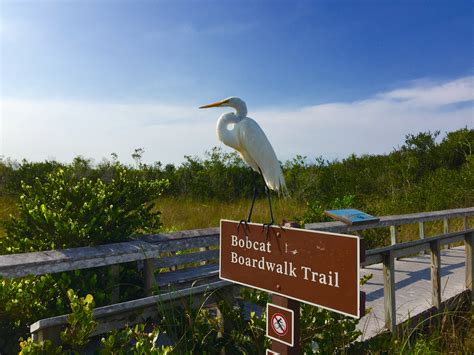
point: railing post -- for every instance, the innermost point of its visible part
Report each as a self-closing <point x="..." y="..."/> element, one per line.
<point x="174" y="267"/>
<point x="445" y="226"/>
<point x="422" y="230"/>
<point x="446" y="229"/>
<point x="469" y="245"/>
<point x="149" y="276"/>
<point x="52" y="334"/>
<point x="435" y="273"/>
<point x="115" y="276"/>
<point x="204" y="249"/>
<point x="393" y="235"/>
<point x="389" y="291"/>
<point x="229" y="295"/>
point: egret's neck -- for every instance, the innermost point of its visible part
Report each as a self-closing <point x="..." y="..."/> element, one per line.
<point x="226" y="129"/>
<point x="240" y="108"/>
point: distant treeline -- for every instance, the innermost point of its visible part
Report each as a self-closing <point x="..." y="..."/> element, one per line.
<point x="427" y="172"/>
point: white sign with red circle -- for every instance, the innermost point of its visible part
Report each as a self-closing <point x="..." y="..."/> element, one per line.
<point x="280" y="324"/>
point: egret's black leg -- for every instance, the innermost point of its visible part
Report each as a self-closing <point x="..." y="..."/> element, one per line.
<point x="243" y="221"/>
<point x="253" y="198"/>
<point x="267" y="192"/>
<point x="269" y="205"/>
<point x="267" y="225"/>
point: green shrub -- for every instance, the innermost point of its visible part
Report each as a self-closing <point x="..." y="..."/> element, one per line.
<point x="46" y="347"/>
<point x="315" y="209"/>
<point x="391" y="181"/>
<point x="81" y="323"/>
<point x="66" y="211"/>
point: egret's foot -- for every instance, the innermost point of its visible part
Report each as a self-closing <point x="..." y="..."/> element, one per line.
<point x="245" y="223"/>
<point x="267" y="227"/>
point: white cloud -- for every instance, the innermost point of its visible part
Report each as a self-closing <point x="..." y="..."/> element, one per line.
<point x="374" y="125"/>
<point x="435" y="95"/>
<point x="40" y="129"/>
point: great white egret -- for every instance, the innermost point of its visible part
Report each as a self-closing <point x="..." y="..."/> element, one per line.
<point x="242" y="133"/>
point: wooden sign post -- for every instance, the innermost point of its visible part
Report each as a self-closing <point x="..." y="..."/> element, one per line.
<point x="295" y="265"/>
<point x="278" y="346"/>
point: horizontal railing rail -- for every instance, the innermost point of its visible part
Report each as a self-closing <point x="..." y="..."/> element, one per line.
<point x="146" y="247"/>
<point x="393" y="220"/>
<point x="401" y="250"/>
<point x="130" y="312"/>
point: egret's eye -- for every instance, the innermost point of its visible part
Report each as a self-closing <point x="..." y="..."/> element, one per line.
<point x="230" y="126"/>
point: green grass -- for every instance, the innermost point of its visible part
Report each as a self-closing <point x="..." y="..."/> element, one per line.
<point x="183" y="213"/>
<point x="7" y="208"/>
<point x="448" y="332"/>
<point x="411" y="231"/>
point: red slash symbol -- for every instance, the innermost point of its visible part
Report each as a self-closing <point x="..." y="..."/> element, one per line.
<point x="279" y="324"/>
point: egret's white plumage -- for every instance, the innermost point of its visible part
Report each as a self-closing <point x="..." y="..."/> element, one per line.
<point x="242" y="133"/>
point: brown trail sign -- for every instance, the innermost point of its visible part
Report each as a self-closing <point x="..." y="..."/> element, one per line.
<point x="317" y="268"/>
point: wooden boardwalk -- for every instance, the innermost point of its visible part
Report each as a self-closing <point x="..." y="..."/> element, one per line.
<point x="413" y="287"/>
<point x="398" y="290"/>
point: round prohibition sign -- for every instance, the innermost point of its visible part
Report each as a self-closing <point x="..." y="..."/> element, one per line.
<point x="279" y="324"/>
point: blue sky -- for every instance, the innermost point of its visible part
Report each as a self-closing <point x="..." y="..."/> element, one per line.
<point x="94" y="77"/>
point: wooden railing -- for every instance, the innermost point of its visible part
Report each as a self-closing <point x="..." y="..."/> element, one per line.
<point x="397" y="220"/>
<point x="144" y="248"/>
<point x="150" y="249"/>
<point x="155" y="252"/>
<point x="387" y="255"/>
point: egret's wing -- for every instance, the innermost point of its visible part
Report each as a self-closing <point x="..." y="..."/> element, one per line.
<point x="257" y="148"/>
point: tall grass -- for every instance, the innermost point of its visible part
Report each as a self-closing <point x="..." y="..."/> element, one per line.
<point x="7" y="208"/>
<point x="449" y="332"/>
<point x="410" y="232"/>
<point x="186" y="213"/>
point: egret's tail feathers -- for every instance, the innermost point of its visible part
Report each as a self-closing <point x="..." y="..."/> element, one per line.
<point x="275" y="181"/>
<point x="279" y="187"/>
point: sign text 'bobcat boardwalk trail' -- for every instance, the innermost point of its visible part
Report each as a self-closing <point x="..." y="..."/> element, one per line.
<point x="318" y="268"/>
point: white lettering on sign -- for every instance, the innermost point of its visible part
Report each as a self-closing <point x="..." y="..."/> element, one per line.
<point x="324" y="279"/>
<point x="287" y="268"/>
<point x="248" y="244"/>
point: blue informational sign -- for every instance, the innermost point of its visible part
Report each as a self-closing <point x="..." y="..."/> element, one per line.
<point x="351" y="216"/>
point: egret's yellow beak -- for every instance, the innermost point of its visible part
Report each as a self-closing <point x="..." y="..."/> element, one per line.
<point x="215" y="104"/>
